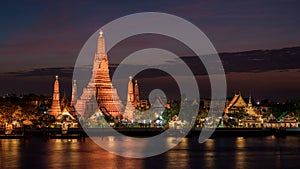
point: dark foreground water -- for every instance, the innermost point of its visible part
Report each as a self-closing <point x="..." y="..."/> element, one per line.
<point x="220" y="152"/>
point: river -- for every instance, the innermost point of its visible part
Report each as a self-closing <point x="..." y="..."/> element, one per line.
<point x="219" y="152"/>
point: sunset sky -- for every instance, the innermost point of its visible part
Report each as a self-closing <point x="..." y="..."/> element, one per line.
<point x="41" y="39"/>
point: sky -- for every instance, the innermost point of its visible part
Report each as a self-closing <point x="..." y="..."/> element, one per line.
<point x="39" y="39"/>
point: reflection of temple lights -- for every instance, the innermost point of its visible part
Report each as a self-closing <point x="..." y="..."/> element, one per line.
<point x="184" y="142"/>
<point x="209" y="153"/>
<point x="240" y="154"/>
<point x="172" y="141"/>
<point x="210" y="143"/>
<point x="111" y="138"/>
<point x="240" y="142"/>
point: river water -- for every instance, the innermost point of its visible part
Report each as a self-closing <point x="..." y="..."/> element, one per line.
<point x="220" y="152"/>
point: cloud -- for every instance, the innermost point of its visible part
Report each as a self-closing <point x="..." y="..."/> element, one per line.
<point x="249" y="61"/>
<point x="261" y="60"/>
<point x="65" y="72"/>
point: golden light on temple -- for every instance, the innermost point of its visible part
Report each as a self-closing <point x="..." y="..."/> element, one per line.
<point x="101" y="32"/>
<point x="100" y="87"/>
<point x="55" y="107"/>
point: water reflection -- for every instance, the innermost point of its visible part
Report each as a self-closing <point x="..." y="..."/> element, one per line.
<point x="209" y="153"/>
<point x="240" y="155"/>
<point x="62" y="152"/>
<point x="130" y="163"/>
<point x="122" y="145"/>
<point x="179" y="157"/>
<point x="233" y="152"/>
<point x="129" y="147"/>
<point x="10" y="153"/>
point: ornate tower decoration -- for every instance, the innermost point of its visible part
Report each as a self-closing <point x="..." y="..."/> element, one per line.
<point x="64" y="102"/>
<point x="55" y="107"/>
<point x="130" y="106"/>
<point x="250" y="103"/>
<point x="100" y="86"/>
<point x="249" y="109"/>
<point x="130" y="90"/>
<point x="106" y="95"/>
<point x="74" y="94"/>
<point x="235" y="104"/>
<point x="136" y="93"/>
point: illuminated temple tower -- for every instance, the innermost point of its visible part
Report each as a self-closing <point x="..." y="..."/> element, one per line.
<point x="106" y="95"/>
<point x="74" y="94"/>
<point x="100" y="86"/>
<point x="136" y="94"/>
<point x="133" y="100"/>
<point x="130" y="106"/>
<point x="55" y="107"/>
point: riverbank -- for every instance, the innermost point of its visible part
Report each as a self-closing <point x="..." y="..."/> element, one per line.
<point x="141" y="132"/>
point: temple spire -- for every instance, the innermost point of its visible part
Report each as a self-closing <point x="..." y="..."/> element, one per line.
<point x="250" y="102"/>
<point x="74" y="94"/>
<point x="100" y="86"/>
<point x="130" y="94"/>
<point x="129" y="109"/>
<point x="100" y="55"/>
<point x="101" y="44"/>
<point x="101" y="33"/>
<point x="55" y="107"/>
<point x="136" y="92"/>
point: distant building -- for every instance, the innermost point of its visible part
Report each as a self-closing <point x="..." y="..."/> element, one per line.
<point x="144" y="104"/>
<point x="64" y="102"/>
<point x="74" y="94"/>
<point x="237" y="103"/>
<point x="131" y="101"/>
<point x="287" y="122"/>
<point x="55" y="107"/>
<point x="136" y="93"/>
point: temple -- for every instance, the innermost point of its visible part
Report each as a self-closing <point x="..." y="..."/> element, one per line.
<point x="237" y="103"/>
<point x="64" y="104"/>
<point x="136" y="93"/>
<point x="131" y="101"/>
<point x="249" y="109"/>
<point x="55" y="107"/>
<point x="100" y="86"/>
<point x="74" y="94"/>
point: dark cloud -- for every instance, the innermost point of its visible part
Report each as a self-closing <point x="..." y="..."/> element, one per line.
<point x="65" y="72"/>
<point x="262" y="60"/>
<point x="277" y="60"/>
